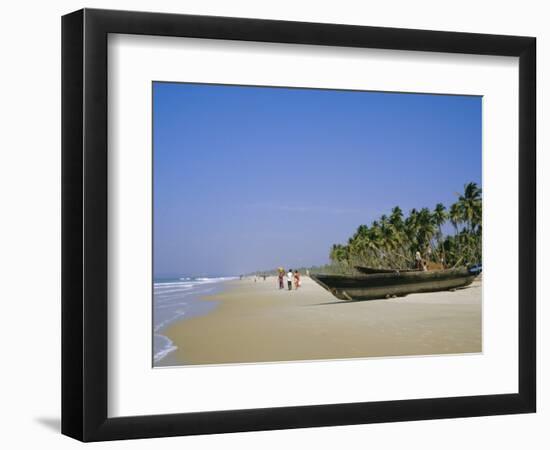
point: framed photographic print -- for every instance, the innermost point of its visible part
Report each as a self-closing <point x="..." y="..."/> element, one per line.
<point x="272" y="224"/>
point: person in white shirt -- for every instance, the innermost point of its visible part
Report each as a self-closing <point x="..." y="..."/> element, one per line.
<point x="418" y="261"/>
<point x="289" y="277"/>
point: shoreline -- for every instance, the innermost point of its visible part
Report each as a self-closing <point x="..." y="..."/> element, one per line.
<point x="185" y="303"/>
<point x="173" y="360"/>
<point x="255" y="322"/>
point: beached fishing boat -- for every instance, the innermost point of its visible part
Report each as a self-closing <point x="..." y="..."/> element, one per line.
<point x="384" y="285"/>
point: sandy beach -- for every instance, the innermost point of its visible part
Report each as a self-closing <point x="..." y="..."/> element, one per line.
<point x="256" y="322"/>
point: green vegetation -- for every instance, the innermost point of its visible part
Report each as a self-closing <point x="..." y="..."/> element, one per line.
<point x="392" y="241"/>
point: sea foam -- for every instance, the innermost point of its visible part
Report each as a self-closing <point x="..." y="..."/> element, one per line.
<point x="176" y="299"/>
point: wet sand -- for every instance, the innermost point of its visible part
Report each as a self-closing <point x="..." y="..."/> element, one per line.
<point x="257" y="322"/>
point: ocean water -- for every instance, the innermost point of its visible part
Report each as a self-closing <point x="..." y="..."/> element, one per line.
<point x="178" y="298"/>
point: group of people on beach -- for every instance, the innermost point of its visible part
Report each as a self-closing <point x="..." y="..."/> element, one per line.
<point x="291" y="277"/>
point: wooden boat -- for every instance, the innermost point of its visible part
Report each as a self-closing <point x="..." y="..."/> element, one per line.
<point x="384" y="285"/>
<point x="372" y="270"/>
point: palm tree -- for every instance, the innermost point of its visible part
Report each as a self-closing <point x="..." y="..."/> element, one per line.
<point x="359" y="243"/>
<point x="455" y="216"/>
<point x="426" y="229"/>
<point x="469" y="205"/>
<point x="396" y="218"/>
<point x="439" y="217"/>
<point x="411" y="229"/>
<point x="399" y="237"/>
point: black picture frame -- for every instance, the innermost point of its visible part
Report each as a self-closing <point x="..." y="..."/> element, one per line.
<point x="84" y="224"/>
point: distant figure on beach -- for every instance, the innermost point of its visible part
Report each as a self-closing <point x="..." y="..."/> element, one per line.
<point x="289" y="277"/>
<point x="297" y="279"/>
<point x="240" y="277"/>
<point x="264" y="276"/>
<point x="307" y="272"/>
<point x="281" y="282"/>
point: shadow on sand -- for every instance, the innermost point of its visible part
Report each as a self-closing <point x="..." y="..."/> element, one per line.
<point x="344" y="302"/>
<point x="341" y="302"/>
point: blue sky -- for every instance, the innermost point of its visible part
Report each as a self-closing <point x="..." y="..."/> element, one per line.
<point x="251" y="178"/>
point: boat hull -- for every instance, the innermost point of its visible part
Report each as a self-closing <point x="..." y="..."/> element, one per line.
<point x="384" y="285"/>
<point x="371" y="270"/>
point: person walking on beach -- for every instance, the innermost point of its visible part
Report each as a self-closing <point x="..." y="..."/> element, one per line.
<point x="281" y="275"/>
<point x="289" y="277"/>
<point x="297" y="279"/>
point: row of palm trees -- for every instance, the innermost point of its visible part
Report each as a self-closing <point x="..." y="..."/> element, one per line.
<point x="393" y="240"/>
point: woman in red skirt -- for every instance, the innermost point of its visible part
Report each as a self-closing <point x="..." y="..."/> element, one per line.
<point x="297" y="279"/>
